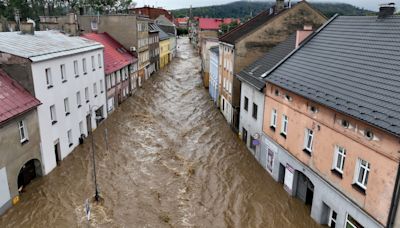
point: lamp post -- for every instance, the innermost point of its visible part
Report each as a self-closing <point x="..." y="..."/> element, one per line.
<point x="96" y="196"/>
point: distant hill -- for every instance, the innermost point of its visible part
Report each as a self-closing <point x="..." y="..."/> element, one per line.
<point x="243" y="9"/>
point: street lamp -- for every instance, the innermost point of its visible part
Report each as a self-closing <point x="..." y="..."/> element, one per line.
<point x="96" y="196"/>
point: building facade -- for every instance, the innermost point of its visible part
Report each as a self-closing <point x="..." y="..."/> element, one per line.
<point x="164" y="49"/>
<point x="118" y="66"/>
<point x="154" y="48"/>
<point x="214" y="76"/>
<point x="207" y="43"/>
<point x="143" y="48"/>
<point x="67" y="76"/>
<point x="20" y="160"/>
<point x="330" y="136"/>
<point x="249" y="41"/>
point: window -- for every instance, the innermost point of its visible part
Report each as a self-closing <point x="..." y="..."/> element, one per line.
<point x="87" y="94"/>
<point x="362" y="172"/>
<point x="284" y="126"/>
<point x="69" y="135"/>
<point x="101" y="86"/>
<point x="274" y="117"/>
<point x="53" y="116"/>
<point x="352" y="223"/>
<point x="308" y="140"/>
<point x="255" y="107"/>
<point x="252" y="146"/>
<point x="76" y="69"/>
<point x="345" y="123"/>
<point x="95" y="89"/>
<point x="23" y="133"/>
<point x="66" y="106"/>
<point x="84" y="66"/>
<point x="246" y="104"/>
<point x="81" y="130"/>
<point x="99" y="60"/>
<point x="338" y="160"/>
<point x="49" y="80"/>
<point x="78" y="99"/>
<point x="108" y="81"/>
<point x="369" y="134"/>
<point x="223" y="104"/>
<point x="93" y="64"/>
<point x="63" y="73"/>
<point x="244" y="135"/>
<point x="332" y="219"/>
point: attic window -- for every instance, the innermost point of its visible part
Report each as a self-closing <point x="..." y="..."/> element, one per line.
<point x="313" y="109"/>
<point x="287" y="97"/>
<point x="369" y="134"/>
<point x="276" y="92"/>
<point x="345" y="123"/>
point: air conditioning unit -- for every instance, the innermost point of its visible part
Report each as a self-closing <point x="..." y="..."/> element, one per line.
<point x="132" y="48"/>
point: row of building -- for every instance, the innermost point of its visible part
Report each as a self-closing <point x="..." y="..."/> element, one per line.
<point x="316" y="101"/>
<point x="58" y="84"/>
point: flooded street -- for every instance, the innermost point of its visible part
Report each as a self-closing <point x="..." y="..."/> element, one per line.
<point x="172" y="161"/>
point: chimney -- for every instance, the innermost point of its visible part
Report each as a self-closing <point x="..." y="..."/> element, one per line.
<point x="279" y="6"/>
<point x="301" y="35"/>
<point x="386" y="10"/>
<point x="27" y="28"/>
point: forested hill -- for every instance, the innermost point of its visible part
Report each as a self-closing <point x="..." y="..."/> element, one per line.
<point x="243" y="9"/>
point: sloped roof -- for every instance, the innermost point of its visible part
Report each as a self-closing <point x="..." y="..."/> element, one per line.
<point x="153" y="28"/>
<point x="351" y="65"/>
<point x="253" y="73"/>
<point x="247" y="27"/>
<point x="14" y="99"/>
<point x="44" y="45"/>
<point x="163" y="35"/>
<point x="115" y="55"/>
<point x="213" y="23"/>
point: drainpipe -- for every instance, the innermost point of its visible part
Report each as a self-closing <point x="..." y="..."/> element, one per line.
<point x="395" y="201"/>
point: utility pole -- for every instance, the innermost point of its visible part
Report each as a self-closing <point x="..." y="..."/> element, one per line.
<point x="96" y="196"/>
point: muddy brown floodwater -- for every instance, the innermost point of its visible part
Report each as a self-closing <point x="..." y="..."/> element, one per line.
<point x="172" y="162"/>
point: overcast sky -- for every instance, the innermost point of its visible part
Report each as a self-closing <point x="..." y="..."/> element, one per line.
<point x="177" y="4"/>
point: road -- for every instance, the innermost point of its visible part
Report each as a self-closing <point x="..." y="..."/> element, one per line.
<point x="173" y="161"/>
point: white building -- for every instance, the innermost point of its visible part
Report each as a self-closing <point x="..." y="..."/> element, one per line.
<point x="253" y="97"/>
<point x="67" y="75"/>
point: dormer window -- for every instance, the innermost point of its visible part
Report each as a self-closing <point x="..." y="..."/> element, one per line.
<point x="345" y="123"/>
<point x="288" y="98"/>
<point x="369" y="134"/>
<point x="313" y="109"/>
<point x="276" y="92"/>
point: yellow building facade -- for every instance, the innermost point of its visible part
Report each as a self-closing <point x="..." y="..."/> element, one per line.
<point x="164" y="52"/>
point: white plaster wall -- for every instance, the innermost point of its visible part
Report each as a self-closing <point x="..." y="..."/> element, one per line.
<point x="214" y="81"/>
<point x="247" y="121"/>
<point x="50" y="133"/>
<point x="4" y="190"/>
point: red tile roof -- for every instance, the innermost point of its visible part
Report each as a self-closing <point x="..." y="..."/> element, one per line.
<point x="181" y="20"/>
<point x="214" y="23"/>
<point x="115" y="55"/>
<point x="14" y="99"/>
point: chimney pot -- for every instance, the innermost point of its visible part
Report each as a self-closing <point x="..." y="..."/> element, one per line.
<point x="386" y="10"/>
<point x="27" y="28"/>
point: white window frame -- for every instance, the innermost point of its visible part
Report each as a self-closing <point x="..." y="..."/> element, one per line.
<point x="53" y="115"/>
<point x="66" y="106"/>
<point x="95" y="89"/>
<point x="101" y="86"/>
<point x="49" y="79"/>
<point x="87" y="94"/>
<point x="23" y="132"/>
<point x="331" y="219"/>
<point x="99" y="61"/>
<point x="339" y="153"/>
<point x="367" y="168"/>
<point x="308" y="140"/>
<point x="84" y="66"/>
<point x="274" y="117"/>
<point x="63" y="73"/>
<point x="81" y="129"/>
<point x="93" y="63"/>
<point x="78" y="99"/>
<point x="285" y="122"/>
<point x="76" y="68"/>
<point x="349" y="222"/>
<point x="69" y="136"/>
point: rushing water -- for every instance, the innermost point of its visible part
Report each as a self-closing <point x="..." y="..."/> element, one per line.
<point x="172" y="162"/>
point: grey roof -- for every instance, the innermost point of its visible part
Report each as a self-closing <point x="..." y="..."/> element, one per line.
<point x="44" y="45"/>
<point x="215" y="50"/>
<point x="253" y="73"/>
<point x="153" y="28"/>
<point x="163" y="35"/>
<point x="351" y="65"/>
